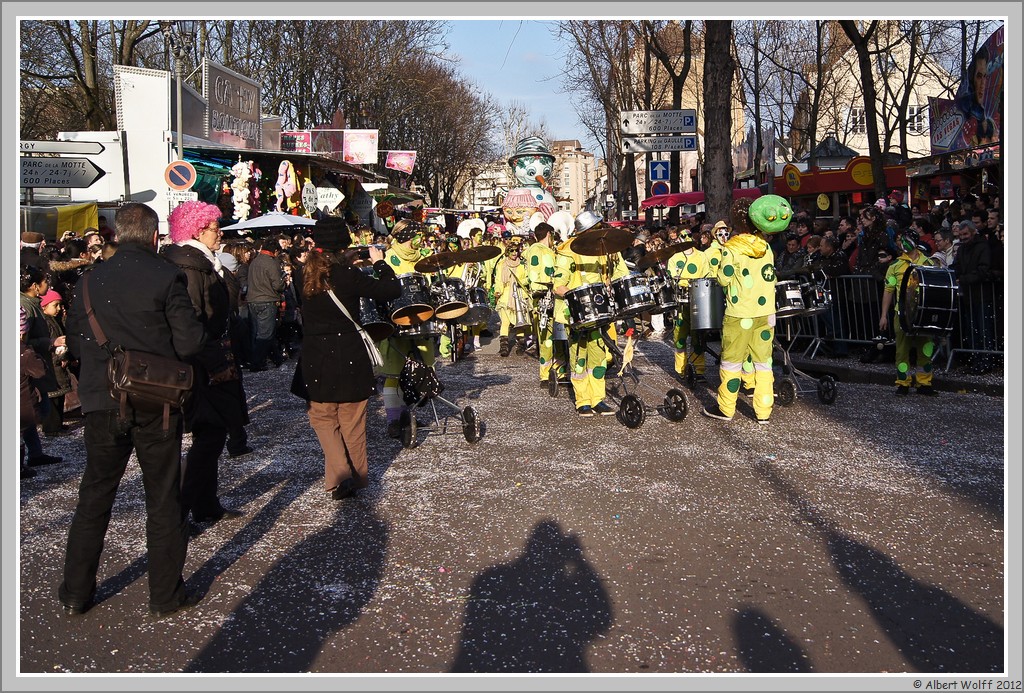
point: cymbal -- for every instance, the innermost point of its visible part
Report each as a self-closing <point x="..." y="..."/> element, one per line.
<point x="663" y="254"/>
<point x="601" y="241"/>
<point x="480" y="253"/>
<point x="436" y="262"/>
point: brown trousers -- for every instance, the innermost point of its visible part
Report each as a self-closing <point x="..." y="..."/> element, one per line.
<point x="341" y="429"/>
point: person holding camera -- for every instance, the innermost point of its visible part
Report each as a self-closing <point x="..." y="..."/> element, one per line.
<point x="334" y="374"/>
<point x="135" y="288"/>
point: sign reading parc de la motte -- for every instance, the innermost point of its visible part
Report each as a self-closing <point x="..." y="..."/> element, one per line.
<point x="233" y="104"/>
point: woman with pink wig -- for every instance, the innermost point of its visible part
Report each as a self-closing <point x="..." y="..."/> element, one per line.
<point x="218" y="401"/>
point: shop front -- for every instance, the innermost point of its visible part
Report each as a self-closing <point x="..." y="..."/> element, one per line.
<point x="835" y="193"/>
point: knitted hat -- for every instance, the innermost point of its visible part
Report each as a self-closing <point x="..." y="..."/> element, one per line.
<point x="331" y="234"/>
<point x="49" y="297"/>
<point x="31" y="238"/>
<point x="896" y="196"/>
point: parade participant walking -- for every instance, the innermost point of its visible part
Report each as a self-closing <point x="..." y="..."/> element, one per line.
<point x="747" y="273"/>
<point x="682" y="267"/>
<point x="923" y="345"/>
<point x="540" y="274"/>
<point x="217" y="404"/>
<point x="156" y="296"/>
<point x="588" y="353"/>
<point x="510" y="295"/>
<point x="334" y="364"/>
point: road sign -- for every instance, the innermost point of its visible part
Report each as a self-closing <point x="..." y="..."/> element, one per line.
<point x="609" y="204"/>
<point x="663" y="143"/>
<point x="180" y="175"/>
<point x="659" y="188"/>
<point x="52" y="147"/>
<point x="176" y="197"/>
<point x="658" y="122"/>
<point x="658" y="170"/>
<point x="58" y="172"/>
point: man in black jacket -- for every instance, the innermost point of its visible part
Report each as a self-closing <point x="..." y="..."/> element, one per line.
<point x="973" y="274"/>
<point x="140" y="302"/>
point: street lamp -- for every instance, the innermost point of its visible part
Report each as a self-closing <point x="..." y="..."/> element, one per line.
<point x="178" y="34"/>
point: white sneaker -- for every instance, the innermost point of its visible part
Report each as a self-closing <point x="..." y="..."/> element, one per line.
<point x="476" y="342"/>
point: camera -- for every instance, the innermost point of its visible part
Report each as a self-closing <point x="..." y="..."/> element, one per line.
<point x="363" y="253"/>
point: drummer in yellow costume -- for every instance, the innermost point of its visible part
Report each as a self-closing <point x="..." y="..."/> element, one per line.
<point x="402" y="255"/>
<point x="746" y="271"/>
<point x="510" y="295"/>
<point x="682" y="267"/>
<point x="588" y="354"/>
<point x="540" y="272"/>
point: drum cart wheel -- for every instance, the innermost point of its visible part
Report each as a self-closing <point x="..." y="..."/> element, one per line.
<point x="827" y="390"/>
<point x="676" y="407"/>
<point x="407" y="422"/>
<point x="690" y="376"/>
<point x="470" y="425"/>
<point x="631" y="412"/>
<point x="553" y="383"/>
<point x="786" y="391"/>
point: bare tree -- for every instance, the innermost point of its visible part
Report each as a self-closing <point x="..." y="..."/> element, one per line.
<point x="719" y="72"/>
<point x="862" y="46"/>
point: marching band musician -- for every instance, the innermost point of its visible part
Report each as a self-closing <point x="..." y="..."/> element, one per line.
<point x="510" y="292"/>
<point x="745" y="267"/>
<point x="682" y="267"/>
<point x="588" y="353"/>
<point x="540" y="273"/>
<point x="401" y="256"/>
<point x="470" y="233"/>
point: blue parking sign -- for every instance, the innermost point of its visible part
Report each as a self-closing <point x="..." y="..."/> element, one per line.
<point x="658" y="171"/>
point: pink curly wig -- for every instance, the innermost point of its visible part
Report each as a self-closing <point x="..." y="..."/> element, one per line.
<point x="189" y="218"/>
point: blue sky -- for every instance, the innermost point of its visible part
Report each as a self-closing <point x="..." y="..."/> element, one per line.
<point x="520" y="60"/>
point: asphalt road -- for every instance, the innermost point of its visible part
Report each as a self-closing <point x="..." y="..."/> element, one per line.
<point x="864" y="536"/>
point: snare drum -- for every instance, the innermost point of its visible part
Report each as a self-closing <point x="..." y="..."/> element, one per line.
<point x="816" y="298"/>
<point x="632" y="295"/>
<point x="479" y="309"/>
<point x="663" y="287"/>
<point x="423" y="330"/>
<point x="707" y="304"/>
<point x="413" y="306"/>
<point x="451" y="299"/>
<point x="372" y="321"/>
<point x="789" y="300"/>
<point x="928" y="300"/>
<point x="589" y="306"/>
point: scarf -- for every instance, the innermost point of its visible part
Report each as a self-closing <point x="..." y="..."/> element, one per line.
<point x="507" y="269"/>
<point x="214" y="260"/>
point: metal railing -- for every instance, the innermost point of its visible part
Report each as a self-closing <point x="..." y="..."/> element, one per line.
<point x="857" y="304"/>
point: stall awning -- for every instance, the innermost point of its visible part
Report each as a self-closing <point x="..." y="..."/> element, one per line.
<point x="393" y="193"/>
<point x="229" y="155"/>
<point x="692" y="198"/>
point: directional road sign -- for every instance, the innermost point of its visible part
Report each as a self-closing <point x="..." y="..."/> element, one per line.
<point x="663" y="143"/>
<point x="658" y="170"/>
<point x="52" y="147"/>
<point x="58" y="172"/>
<point x="180" y="175"/>
<point x="682" y="121"/>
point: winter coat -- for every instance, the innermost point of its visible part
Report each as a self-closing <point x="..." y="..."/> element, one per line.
<point x="39" y="338"/>
<point x="64" y="275"/>
<point x="973" y="262"/>
<point x="266" y="278"/>
<point x="32" y="368"/>
<point x="141" y="302"/>
<point x="334" y="363"/>
<point x="60" y="367"/>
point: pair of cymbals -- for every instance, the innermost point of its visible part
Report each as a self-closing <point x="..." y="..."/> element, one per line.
<point x="443" y="260"/>
<point x="660" y="255"/>
<point x="603" y="240"/>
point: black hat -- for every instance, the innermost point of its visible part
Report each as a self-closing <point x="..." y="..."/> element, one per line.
<point x="405" y="230"/>
<point x="331" y="234"/>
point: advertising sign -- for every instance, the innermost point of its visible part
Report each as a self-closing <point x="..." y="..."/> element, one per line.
<point x="360" y="146"/>
<point x="401" y="161"/>
<point x="297" y="141"/>
<point x="233" y="104"/>
<point x="974" y="117"/>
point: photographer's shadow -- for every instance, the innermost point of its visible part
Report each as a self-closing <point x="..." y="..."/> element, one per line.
<point x="536" y="614"/>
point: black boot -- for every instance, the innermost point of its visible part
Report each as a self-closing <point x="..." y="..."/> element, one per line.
<point x="503" y="346"/>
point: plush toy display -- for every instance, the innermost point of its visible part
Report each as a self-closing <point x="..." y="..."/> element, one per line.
<point x="287" y="187"/>
<point x="242" y="172"/>
<point x="770" y="214"/>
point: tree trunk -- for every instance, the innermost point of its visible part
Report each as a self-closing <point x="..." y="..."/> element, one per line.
<point x="719" y="72"/>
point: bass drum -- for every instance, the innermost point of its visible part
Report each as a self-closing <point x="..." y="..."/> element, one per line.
<point x="413" y="306"/>
<point x="589" y="306"/>
<point x="479" y="309"/>
<point x="928" y="300"/>
<point x="789" y="300"/>
<point x="707" y="304"/>
<point x="632" y="295"/>
<point x="370" y="318"/>
<point x="426" y="329"/>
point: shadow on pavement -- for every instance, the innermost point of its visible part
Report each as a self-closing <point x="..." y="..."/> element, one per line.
<point x="764" y="647"/>
<point x="931" y="628"/>
<point x="536" y="614"/>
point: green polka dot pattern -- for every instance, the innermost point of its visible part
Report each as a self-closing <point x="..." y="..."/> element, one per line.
<point x="903" y="367"/>
<point x="747" y="367"/>
<point x="928" y="349"/>
<point x="733" y="385"/>
<point x="549" y="271"/>
<point x="714" y="262"/>
<point x="549" y="343"/>
<point x="599" y="372"/>
<point x="746" y="323"/>
<point x="691" y="268"/>
<point x="680" y="264"/>
<point x="680" y="344"/>
<point x="728" y="270"/>
<point x="395" y="261"/>
<point x="535" y="261"/>
<point x="543" y="360"/>
<point x="746" y="272"/>
<point x="761" y="300"/>
<point x="748" y="282"/>
<point x="766" y="335"/>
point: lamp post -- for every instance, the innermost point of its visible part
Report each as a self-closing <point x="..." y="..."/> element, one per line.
<point x="178" y="34"/>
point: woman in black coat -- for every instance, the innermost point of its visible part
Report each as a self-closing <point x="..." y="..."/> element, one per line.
<point x="218" y="400"/>
<point x="334" y="363"/>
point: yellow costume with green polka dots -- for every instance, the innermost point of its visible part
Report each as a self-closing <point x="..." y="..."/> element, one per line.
<point x="746" y="271"/>
<point x="540" y="274"/>
<point x="684" y="266"/>
<point x="923" y="344"/>
<point x="588" y="354"/>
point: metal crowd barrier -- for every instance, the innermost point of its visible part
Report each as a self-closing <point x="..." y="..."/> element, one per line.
<point x="857" y="305"/>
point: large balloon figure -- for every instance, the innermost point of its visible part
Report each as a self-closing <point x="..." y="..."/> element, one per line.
<point x="531" y="164"/>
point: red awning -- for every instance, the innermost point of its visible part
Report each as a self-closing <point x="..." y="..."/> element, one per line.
<point x="692" y="198"/>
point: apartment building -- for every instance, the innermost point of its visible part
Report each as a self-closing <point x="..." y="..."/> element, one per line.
<point x="574" y="177"/>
